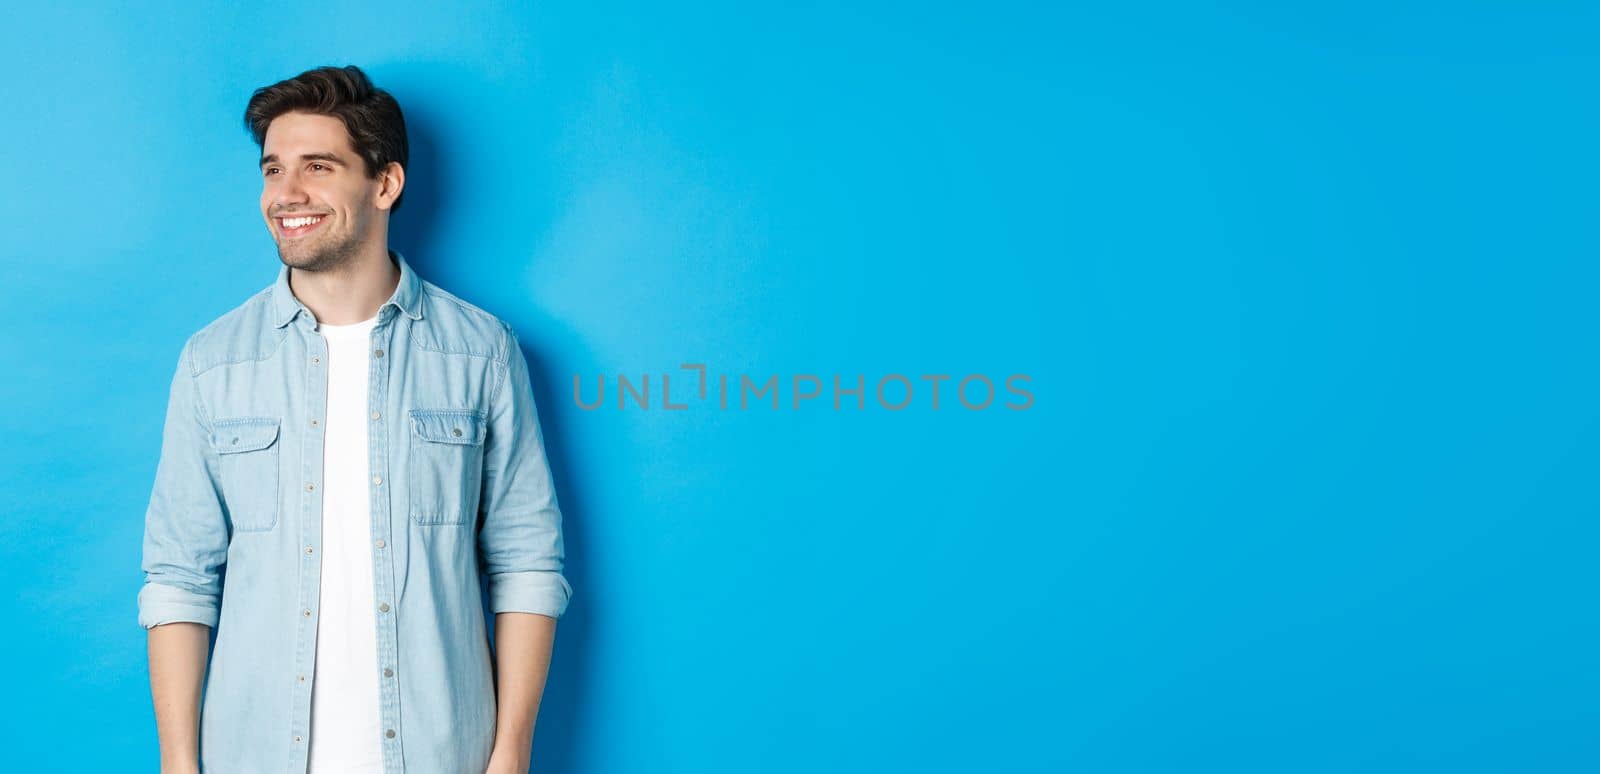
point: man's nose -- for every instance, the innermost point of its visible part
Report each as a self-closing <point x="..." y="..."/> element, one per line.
<point x="290" y="191"/>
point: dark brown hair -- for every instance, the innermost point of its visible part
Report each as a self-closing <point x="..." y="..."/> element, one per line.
<point x="371" y="115"/>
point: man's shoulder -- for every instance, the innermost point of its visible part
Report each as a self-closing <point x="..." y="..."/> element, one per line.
<point x="457" y="326"/>
<point x="244" y="332"/>
<point x="452" y="325"/>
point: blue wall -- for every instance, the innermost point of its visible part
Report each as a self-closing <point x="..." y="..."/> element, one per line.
<point x="1307" y="300"/>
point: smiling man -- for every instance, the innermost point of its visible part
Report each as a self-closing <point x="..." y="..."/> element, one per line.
<point x="348" y="457"/>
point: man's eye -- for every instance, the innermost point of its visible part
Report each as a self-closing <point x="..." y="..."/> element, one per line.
<point x="318" y="166"/>
<point x="270" y="170"/>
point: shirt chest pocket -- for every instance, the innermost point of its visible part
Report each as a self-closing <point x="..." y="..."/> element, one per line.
<point x="247" y="456"/>
<point x="446" y="465"/>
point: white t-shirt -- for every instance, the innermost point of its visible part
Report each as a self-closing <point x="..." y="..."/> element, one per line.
<point x="345" y="720"/>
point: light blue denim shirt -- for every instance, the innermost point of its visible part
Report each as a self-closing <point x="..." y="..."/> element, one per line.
<point x="460" y="486"/>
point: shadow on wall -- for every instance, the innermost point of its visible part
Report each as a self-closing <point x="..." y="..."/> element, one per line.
<point x="432" y="186"/>
<point x="412" y="227"/>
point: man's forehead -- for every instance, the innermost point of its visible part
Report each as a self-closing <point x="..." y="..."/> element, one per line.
<point x="297" y="133"/>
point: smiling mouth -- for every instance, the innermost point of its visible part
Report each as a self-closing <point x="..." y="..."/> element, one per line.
<point x="299" y="225"/>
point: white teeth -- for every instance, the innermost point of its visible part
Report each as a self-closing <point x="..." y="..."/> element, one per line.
<point x="298" y="222"/>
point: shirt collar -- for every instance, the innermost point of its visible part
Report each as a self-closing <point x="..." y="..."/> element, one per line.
<point x="407" y="295"/>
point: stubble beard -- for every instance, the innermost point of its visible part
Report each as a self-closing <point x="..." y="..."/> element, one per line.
<point x="338" y="254"/>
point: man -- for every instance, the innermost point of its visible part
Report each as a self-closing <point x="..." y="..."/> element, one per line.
<point x="343" y="454"/>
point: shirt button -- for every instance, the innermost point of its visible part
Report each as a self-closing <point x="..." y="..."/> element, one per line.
<point x="374" y="415"/>
<point x="380" y="542"/>
<point x="455" y="431"/>
<point x="310" y="487"/>
<point x="387" y="672"/>
<point x="378" y="353"/>
<point x="313" y="423"/>
<point x="389" y="733"/>
<point x="316" y="360"/>
<point x="235" y="442"/>
<point x="377" y="479"/>
<point x="297" y="737"/>
<point x="384" y="606"/>
<point x="301" y="678"/>
<point x="309" y="549"/>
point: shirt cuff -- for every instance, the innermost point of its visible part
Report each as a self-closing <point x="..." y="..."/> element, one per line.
<point x="160" y="603"/>
<point x="540" y="591"/>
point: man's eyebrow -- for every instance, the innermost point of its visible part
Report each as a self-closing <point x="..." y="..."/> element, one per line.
<point x="272" y="158"/>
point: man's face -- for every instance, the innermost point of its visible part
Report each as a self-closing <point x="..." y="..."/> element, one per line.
<point x="312" y="177"/>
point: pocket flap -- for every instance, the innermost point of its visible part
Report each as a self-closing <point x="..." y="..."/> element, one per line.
<point x="460" y="426"/>
<point x="243" y="434"/>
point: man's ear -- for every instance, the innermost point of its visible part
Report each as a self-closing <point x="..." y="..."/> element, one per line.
<point x="393" y="180"/>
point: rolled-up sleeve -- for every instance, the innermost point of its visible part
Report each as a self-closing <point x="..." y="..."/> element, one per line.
<point x="520" y="547"/>
<point x="185" y="532"/>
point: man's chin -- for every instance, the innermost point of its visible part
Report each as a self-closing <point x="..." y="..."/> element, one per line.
<point x="310" y="258"/>
<point x="298" y="259"/>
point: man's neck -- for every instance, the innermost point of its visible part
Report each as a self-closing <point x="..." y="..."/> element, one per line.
<point x="348" y="295"/>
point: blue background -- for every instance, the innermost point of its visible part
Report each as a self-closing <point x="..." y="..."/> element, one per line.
<point x="1307" y="298"/>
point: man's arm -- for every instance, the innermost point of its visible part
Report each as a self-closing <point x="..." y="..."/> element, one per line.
<point x="178" y="653"/>
<point x="185" y="547"/>
<point x="522" y="644"/>
<point x="521" y="550"/>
